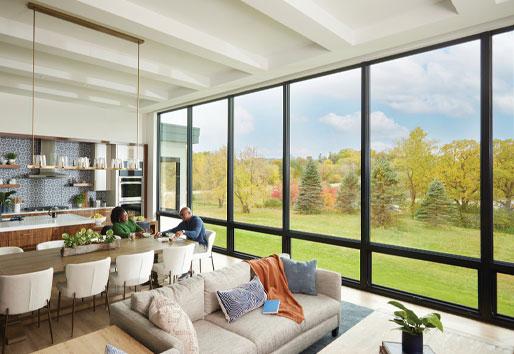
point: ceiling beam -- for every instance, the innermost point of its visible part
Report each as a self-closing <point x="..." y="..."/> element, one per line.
<point x="142" y="22"/>
<point x="18" y="61"/>
<point x="308" y="19"/>
<point x="19" y="33"/>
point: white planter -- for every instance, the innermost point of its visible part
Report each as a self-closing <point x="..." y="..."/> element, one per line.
<point x="17" y="208"/>
<point x="100" y="221"/>
<point x="12" y="161"/>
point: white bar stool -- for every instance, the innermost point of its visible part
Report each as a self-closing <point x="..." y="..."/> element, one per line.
<point x="10" y="250"/>
<point x="132" y="270"/>
<point x="84" y="280"/>
<point x="176" y="261"/>
<point x="50" y="244"/>
<point x="24" y="293"/>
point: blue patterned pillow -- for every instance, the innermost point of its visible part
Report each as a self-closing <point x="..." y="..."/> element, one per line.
<point x="111" y="349"/>
<point x="243" y="299"/>
<point x="301" y="276"/>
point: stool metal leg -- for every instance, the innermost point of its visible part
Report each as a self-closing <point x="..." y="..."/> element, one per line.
<point x="72" y="314"/>
<point x="58" y="305"/>
<point x="49" y="320"/>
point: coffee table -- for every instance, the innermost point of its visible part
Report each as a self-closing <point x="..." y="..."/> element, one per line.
<point x="95" y="342"/>
<point x="367" y="336"/>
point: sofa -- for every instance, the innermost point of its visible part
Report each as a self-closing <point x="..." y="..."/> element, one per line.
<point x="253" y="333"/>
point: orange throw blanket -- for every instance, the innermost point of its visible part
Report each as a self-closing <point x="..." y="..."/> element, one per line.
<point x="270" y="271"/>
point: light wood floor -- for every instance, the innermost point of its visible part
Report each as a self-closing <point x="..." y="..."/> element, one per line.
<point x="87" y="321"/>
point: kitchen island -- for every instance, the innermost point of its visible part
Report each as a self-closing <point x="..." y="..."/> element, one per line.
<point x="31" y="230"/>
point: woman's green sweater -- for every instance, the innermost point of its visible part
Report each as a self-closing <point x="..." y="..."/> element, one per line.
<point x="124" y="229"/>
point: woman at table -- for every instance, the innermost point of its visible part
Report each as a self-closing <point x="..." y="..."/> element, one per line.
<point x="122" y="225"/>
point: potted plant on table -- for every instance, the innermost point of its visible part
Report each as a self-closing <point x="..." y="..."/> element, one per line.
<point x="11" y="158"/>
<point x="5" y="201"/>
<point x="412" y="327"/>
<point x="79" y="200"/>
<point x="85" y="241"/>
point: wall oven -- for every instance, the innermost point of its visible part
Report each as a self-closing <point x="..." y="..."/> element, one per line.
<point x="131" y="188"/>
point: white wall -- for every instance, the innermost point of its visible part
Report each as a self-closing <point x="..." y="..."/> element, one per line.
<point x="64" y="119"/>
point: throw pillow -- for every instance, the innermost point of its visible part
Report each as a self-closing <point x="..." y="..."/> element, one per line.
<point x="169" y="316"/>
<point x="301" y="276"/>
<point x="140" y="301"/>
<point x="246" y="297"/>
<point x="111" y="349"/>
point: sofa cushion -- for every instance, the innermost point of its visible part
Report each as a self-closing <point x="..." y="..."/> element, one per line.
<point x="301" y="276"/>
<point x="317" y="309"/>
<point x="213" y="339"/>
<point x="140" y="301"/>
<point x="225" y="278"/>
<point x="242" y="299"/>
<point x="187" y="293"/>
<point x="267" y="332"/>
<point x="166" y="314"/>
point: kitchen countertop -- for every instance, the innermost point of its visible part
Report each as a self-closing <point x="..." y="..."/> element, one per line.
<point x="58" y="211"/>
<point x="44" y="221"/>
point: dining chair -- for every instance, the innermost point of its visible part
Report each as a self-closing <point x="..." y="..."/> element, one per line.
<point x="84" y="280"/>
<point x="176" y="261"/>
<point x="10" y="250"/>
<point x="132" y="270"/>
<point x="211" y="236"/>
<point x="50" y="244"/>
<point x="23" y="293"/>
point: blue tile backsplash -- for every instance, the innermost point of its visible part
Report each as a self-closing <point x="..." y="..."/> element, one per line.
<point x="43" y="192"/>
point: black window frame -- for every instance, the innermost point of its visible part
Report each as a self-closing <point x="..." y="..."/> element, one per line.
<point x="486" y="266"/>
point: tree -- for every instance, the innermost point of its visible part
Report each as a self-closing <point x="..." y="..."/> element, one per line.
<point x="309" y="199"/>
<point x="503" y="172"/>
<point x="459" y="170"/>
<point x="384" y="192"/>
<point x="253" y="175"/>
<point x="415" y="161"/>
<point x="436" y="208"/>
<point x="210" y="175"/>
<point x="347" y="197"/>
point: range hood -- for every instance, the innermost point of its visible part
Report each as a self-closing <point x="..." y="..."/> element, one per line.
<point x="48" y="149"/>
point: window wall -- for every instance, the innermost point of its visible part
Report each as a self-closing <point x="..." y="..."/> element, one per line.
<point x="377" y="171"/>
<point x="258" y="157"/>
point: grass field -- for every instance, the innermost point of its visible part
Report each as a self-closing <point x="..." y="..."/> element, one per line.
<point x="454" y="284"/>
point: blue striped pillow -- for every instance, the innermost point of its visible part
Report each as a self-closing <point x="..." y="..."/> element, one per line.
<point x="242" y="299"/>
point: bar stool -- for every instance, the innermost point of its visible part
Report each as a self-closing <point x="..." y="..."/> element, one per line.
<point x="84" y="280"/>
<point x="50" y="244"/>
<point x="24" y="293"/>
<point x="10" y="250"/>
<point x="176" y="261"/>
<point x="132" y="270"/>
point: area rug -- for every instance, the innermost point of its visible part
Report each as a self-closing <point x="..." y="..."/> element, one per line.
<point x="351" y="314"/>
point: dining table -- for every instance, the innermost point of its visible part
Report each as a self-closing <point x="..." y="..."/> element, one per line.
<point x="33" y="261"/>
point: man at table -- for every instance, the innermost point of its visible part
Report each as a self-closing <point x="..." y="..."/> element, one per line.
<point x="191" y="227"/>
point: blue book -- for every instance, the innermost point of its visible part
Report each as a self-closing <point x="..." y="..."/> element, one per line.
<point x="271" y="307"/>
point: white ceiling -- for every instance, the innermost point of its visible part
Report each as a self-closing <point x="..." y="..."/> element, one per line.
<point x="199" y="49"/>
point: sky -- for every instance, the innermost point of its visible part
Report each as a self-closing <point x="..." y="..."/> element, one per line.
<point x="438" y="91"/>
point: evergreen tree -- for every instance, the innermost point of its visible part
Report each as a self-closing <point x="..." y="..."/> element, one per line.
<point x="309" y="199"/>
<point x="384" y="192"/>
<point x="436" y="208"/>
<point x="347" y="197"/>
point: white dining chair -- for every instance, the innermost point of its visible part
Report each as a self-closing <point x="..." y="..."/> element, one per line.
<point x="211" y="236"/>
<point x="50" y="244"/>
<point x="25" y="293"/>
<point x="132" y="270"/>
<point x="176" y="261"/>
<point x="10" y="250"/>
<point x="84" y="280"/>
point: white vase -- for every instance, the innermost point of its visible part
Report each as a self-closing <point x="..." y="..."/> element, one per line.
<point x="12" y="161"/>
<point x="17" y="208"/>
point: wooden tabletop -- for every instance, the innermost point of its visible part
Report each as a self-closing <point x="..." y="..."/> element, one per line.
<point x="95" y="343"/>
<point x="33" y="261"/>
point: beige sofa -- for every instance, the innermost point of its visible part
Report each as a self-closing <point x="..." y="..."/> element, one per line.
<point x="252" y="333"/>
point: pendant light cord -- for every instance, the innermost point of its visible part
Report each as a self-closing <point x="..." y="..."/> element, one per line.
<point x="33" y="83"/>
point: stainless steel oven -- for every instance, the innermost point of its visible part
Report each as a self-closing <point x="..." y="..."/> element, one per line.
<point x="131" y="188"/>
<point x="133" y="209"/>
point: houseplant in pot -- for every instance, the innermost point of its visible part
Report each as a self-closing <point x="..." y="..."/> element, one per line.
<point x="11" y="158"/>
<point x="412" y="327"/>
<point x="5" y="201"/>
<point x="79" y="200"/>
<point x="85" y="241"/>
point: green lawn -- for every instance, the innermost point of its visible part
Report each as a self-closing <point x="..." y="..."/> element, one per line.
<point x="453" y="284"/>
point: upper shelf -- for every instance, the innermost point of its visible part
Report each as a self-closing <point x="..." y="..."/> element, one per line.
<point x="73" y="168"/>
<point x="10" y="166"/>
